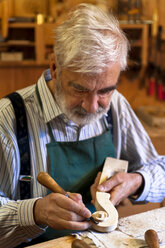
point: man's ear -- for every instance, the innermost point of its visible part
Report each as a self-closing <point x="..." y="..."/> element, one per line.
<point x="52" y="65"/>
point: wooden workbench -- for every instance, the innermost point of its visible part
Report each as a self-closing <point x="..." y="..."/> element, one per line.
<point x="64" y="242"/>
<point x="130" y="232"/>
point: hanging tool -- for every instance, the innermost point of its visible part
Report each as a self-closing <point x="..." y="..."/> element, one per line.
<point x="46" y="180"/>
<point x="151" y="238"/>
<point x="153" y="69"/>
<point x="159" y="75"/>
<point x="148" y="74"/>
<point x="153" y="73"/>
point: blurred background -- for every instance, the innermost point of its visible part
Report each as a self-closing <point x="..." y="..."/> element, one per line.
<point x="26" y="41"/>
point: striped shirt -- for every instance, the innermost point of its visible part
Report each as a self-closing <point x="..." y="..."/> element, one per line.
<point x="130" y="140"/>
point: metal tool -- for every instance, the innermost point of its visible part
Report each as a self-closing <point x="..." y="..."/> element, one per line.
<point x="46" y="180"/>
<point x="151" y="238"/>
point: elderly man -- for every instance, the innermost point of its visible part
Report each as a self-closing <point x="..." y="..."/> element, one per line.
<point x="75" y="118"/>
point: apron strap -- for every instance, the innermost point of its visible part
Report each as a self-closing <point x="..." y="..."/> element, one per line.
<point x="48" y="124"/>
<point x="23" y="144"/>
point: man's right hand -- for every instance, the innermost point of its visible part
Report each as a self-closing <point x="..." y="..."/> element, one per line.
<point x="60" y="212"/>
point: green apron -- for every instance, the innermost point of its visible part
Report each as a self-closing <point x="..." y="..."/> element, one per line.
<point x="74" y="166"/>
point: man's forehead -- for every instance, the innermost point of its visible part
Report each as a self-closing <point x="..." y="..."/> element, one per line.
<point x="109" y="69"/>
<point x="102" y="80"/>
<point x="79" y="75"/>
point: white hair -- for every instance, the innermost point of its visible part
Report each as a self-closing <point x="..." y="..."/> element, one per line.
<point x="89" y="41"/>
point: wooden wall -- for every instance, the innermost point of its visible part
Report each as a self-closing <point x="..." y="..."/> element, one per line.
<point x="24" y="76"/>
<point x="51" y="7"/>
<point x="14" y="78"/>
<point x="57" y="9"/>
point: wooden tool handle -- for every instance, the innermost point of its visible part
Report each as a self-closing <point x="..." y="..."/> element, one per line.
<point x="77" y="243"/>
<point x="46" y="180"/>
<point x="151" y="238"/>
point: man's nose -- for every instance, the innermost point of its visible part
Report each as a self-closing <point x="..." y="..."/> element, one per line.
<point x="90" y="103"/>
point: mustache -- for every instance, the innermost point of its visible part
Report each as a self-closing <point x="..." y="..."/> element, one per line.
<point x="81" y="111"/>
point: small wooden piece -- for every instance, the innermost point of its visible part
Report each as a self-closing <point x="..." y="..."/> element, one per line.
<point x="151" y="238"/>
<point x="77" y="243"/>
<point x="106" y="214"/>
<point x="46" y="180"/>
<point x="107" y="217"/>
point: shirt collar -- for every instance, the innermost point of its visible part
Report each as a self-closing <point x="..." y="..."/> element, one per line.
<point x="50" y="108"/>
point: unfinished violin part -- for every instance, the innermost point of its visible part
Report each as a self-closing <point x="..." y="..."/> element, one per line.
<point x="106" y="215"/>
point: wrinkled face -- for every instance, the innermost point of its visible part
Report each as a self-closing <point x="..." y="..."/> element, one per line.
<point x="85" y="98"/>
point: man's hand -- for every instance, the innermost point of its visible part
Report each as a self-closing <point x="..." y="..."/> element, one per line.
<point x="120" y="186"/>
<point x="60" y="212"/>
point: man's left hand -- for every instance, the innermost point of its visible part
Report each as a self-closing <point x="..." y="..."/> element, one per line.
<point x="120" y="186"/>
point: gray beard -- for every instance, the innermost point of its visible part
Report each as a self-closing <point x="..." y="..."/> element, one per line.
<point x="82" y="117"/>
<point x="78" y="114"/>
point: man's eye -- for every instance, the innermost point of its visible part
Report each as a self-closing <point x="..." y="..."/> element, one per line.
<point x="104" y="92"/>
<point x="80" y="89"/>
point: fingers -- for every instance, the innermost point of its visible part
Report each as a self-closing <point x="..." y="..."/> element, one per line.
<point x="118" y="179"/>
<point x="62" y="218"/>
<point x="60" y="224"/>
<point x="64" y="214"/>
<point x="121" y="185"/>
<point x="117" y="195"/>
<point x="69" y="204"/>
<point x="61" y="212"/>
<point x="76" y="197"/>
<point x="108" y="185"/>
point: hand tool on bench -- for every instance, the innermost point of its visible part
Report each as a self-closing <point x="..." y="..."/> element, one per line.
<point x="151" y="238"/>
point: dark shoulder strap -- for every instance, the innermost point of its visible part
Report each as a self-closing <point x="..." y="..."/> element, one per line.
<point x="110" y="120"/>
<point x="23" y="143"/>
<point x="109" y="116"/>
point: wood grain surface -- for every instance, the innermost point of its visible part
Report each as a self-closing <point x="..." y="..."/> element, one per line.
<point x="64" y="242"/>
